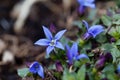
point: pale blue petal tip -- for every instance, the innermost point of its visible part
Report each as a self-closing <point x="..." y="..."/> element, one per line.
<point x="82" y="56"/>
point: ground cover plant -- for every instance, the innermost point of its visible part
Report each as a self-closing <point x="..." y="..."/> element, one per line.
<point x="80" y="43"/>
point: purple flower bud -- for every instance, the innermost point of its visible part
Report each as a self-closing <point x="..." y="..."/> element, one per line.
<point x="112" y="40"/>
<point x="52" y="28"/>
<point x="59" y="66"/>
<point x="100" y="63"/>
<point x="108" y="57"/>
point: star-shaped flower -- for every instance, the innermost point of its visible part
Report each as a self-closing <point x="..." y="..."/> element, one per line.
<point x="92" y="31"/>
<point x="72" y="53"/>
<point x="36" y="68"/>
<point x="85" y="3"/>
<point x="51" y="41"/>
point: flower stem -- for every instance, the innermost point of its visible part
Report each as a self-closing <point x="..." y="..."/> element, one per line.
<point x="109" y="28"/>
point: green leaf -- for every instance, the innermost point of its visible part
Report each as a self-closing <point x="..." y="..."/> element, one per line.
<point x="109" y="72"/>
<point x="81" y="73"/>
<point x="112" y="76"/>
<point x="108" y="69"/>
<point x="81" y="62"/>
<point x="118" y="29"/>
<point x="69" y="76"/>
<point x="96" y="21"/>
<point x="101" y="38"/>
<point x="116" y="16"/>
<point x="116" y="22"/>
<point x="23" y="72"/>
<point x="107" y="47"/>
<point x="87" y="46"/>
<point x="118" y="42"/>
<point x="106" y="20"/>
<point x="115" y="54"/>
<point x="115" y="32"/>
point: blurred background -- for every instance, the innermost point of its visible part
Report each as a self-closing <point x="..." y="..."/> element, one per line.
<point x="21" y="25"/>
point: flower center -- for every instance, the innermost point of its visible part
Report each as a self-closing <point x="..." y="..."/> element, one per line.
<point x="74" y="58"/>
<point x="36" y="66"/>
<point x="52" y="43"/>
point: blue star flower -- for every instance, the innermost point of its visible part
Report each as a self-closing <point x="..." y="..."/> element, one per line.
<point x="92" y="31"/>
<point x="85" y="3"/>
<point x="51" y="41"/>
<point x="36" y="68"/>
<point x="72" y="53"/>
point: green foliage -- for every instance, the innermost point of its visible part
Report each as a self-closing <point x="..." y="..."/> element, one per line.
<point x="107" y="47"/>
<point x="57" y="55"/>
<point x="81" y="73"/>
<point x="23" y="72"/>
<point x="108" y="71"/>
<point x="84" y="46"/>
<point x="116" y="54"/>
<point x="87" y="67"/>
<point x="106" y="20"/>
<point x="115" y="32"/>
<point x="101" y="38"/>
<point x="116" y="17"/>
<point x="118" y="42"/>
<point x="57" y="75"/>
<point x="113" y="49"/>
<point x="69" y="75"/>
<point x="81" y="62"/>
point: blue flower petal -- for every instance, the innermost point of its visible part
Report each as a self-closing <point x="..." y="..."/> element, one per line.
<point x="86" y="24"/>
<point x="41" y="71"/>
<point x="32" y="68"/>
<point x="91" y="5"/>
<point x="74" y="49"/>
<point x="86" y="36"/>
<point x="42" y="42"/>
<point x="47" y="32"/>
<point x="59" y="45"/>
<point x="95" y="30"/>
<point x="69" y="55"/>
<point x="85" y="3"/>
<point x="90" y="1"/>
<point x="49" y="49"/>
<point x="81" y="56"/>
<point x="80" y="1"/>
<point x="59" y="34"/>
